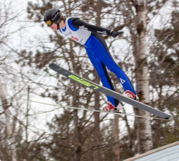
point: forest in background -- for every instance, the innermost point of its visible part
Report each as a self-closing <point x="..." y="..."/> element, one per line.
<point x="28" y="46"/>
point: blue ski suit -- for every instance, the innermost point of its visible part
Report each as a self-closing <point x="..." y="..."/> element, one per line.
<point x="98" y="53"/>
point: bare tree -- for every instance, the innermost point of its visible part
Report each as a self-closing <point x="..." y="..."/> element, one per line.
<point x="78" y="65"/>
<point x="116" y="147"/>
<point x="11" y="86"/>
<point x="10" y="142"/>
<point x="78" y="135"/>
<point x="142" y="80"/>
<point x="6" y="18"/>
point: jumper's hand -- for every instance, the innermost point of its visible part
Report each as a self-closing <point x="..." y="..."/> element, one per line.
<point x="115" y="34"/>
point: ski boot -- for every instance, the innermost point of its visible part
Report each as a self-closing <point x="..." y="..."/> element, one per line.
<point x="110" y="106"/>
<point x="131" y="95"/>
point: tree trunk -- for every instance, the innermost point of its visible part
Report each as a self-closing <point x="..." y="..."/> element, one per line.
<point x="10" y="136"/>
<point x="97" y="138"/>
<point x="142" y="82"/>
<point x="97" y="134"/>
<point x="116" y="148"/>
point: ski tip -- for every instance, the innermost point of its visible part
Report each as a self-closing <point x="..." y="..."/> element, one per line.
<point x="169" y="118"/>
<point x="51" y="65"/>
<point x="54" y="66"/>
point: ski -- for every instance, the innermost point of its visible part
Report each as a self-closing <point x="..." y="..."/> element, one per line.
<point x="109" y="112"/>
<point x="97" y="110"/>
<point x="108" y="92"/>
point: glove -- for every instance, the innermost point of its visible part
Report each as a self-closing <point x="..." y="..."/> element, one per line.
<point x="115" y="34"/>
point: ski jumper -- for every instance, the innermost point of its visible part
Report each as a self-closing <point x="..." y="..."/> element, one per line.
<point x="98" y="53"/>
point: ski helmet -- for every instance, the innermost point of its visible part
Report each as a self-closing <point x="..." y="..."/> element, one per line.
<point x="52" y="15"/>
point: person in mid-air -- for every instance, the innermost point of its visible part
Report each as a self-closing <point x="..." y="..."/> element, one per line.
<point x="90" y="36"/>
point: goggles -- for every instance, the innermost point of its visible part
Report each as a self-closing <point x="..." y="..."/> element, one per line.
<point x="49" y="23"/>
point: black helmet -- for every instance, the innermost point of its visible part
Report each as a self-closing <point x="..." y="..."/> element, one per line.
<point x="52" y="15"/>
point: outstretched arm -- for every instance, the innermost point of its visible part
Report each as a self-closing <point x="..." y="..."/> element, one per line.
<point x="77" y="23"/>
